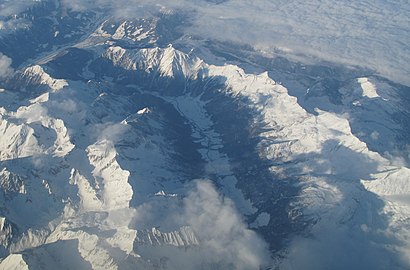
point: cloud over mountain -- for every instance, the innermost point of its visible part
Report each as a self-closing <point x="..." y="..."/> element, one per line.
<point x="5" y="66"/>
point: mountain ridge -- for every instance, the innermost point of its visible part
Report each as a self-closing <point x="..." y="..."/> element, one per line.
<point x="91" y="157"/>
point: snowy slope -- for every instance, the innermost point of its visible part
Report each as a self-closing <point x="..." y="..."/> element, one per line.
<point x="121" y="150"/>
<point x="371" y="34"/>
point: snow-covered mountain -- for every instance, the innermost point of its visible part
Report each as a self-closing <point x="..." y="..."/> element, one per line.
<point x="129" y="144"/>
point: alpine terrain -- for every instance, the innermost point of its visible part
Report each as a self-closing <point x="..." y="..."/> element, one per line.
<point x="132" y="137"/>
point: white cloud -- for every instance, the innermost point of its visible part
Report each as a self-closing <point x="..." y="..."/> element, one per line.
<point x="222" y="233"/>
<point x="110" y="131"/>
<point x="33" y="113"/>
<point x="67" y="105"/>
<point x="375" y="135"/>
<point x="5" y="66"/>
<point x="397" y="157"/>
<point x="370" y="33"/>
<point x="347" y="32"/>
<point x="224" y="240"/>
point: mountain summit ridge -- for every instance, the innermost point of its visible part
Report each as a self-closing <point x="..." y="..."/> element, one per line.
<point x="124" y="148"/>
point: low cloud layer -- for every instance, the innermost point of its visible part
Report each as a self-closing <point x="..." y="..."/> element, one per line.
<point x="221" y="231"/>
<point x="352" y="33"/>
<point x="225" y="242"/>
<point x="372" y="34"/>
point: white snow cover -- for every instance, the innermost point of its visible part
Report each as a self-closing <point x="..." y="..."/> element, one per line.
<point x="14" y="262"/>
<point x="82" y="193"/>
<point x="97" y="198"/>
<point x="17" y="141"/>
<point x="369" y="89"/>
<point x="116" y="192"/>
<point x="144" y="111"/>
<point x="333" y="163"/>
<point x="168" y="62"/>
<point x="36" y="75"/>
<point x="370" y="33"/>
<point x="339" y="177"/>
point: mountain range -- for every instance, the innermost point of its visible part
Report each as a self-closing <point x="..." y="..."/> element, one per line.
<point x="128" y="143"/>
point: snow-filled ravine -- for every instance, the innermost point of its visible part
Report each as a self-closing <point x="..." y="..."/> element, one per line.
<point x="125" y="144"/>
